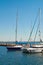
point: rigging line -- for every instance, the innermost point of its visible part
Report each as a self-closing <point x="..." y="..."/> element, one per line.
<point x="38" y="26"/>
<point x="33" y="27"/>
<point x="36" y="32"/>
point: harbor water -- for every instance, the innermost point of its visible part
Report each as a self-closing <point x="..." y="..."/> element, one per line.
<point x="19" y="58"/>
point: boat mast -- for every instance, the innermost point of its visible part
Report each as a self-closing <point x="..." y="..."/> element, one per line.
<point x="16" y="26"/>
<point x="39" y="23"/>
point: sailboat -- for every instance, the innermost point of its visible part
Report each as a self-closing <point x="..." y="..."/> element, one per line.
<point x="34" y="48"/>
<point x="15" y="46"/>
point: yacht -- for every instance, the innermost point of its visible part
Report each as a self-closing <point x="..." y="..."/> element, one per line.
<point x="16" y="46"/>
<point x="34" y="48"/>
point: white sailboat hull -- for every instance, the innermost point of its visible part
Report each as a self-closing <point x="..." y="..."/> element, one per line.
<point x="37" y="45"/>
<point x="32" y="50"/>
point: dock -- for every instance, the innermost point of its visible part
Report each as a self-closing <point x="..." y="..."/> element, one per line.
<point x="7" y="44"/>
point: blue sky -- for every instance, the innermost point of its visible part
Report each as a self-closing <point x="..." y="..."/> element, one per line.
<point x="27" y="12"/>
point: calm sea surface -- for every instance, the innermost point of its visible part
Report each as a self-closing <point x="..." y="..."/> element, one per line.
<point x="19" y="58"/>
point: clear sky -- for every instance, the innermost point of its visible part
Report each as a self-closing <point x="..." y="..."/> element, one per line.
<point x="27" y="12"/>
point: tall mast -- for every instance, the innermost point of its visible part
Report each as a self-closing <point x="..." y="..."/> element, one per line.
<point x="39" y="23"/>
<point x="16" y="26"/>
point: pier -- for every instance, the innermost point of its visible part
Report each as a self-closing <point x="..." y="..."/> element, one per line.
<point x="7" y="44"/>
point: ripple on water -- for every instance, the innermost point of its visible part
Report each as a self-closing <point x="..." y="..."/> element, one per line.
<point x="19" y="58"/>
<point x="3" y="51"/>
